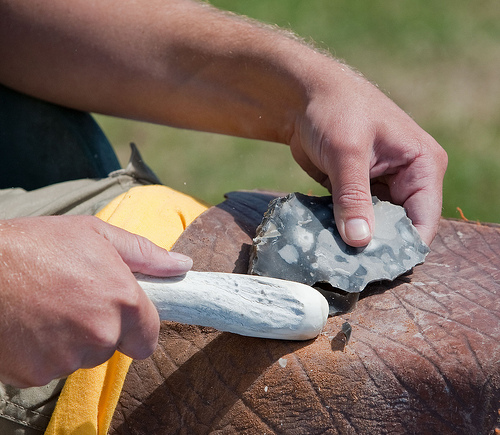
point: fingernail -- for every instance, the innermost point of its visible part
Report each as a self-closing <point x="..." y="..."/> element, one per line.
<point x="357" y="229"/>
<point x="180" y="257"/>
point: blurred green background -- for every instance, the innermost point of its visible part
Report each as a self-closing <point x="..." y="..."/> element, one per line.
<point x="439" y="60"/>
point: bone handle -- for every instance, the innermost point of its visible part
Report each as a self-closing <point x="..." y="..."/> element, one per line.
<point x="243" y="304"/>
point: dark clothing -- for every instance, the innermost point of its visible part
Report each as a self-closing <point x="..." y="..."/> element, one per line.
<point x="43" y="144"/>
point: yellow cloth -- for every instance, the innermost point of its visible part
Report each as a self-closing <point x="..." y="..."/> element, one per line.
<point x="89" y="397"/>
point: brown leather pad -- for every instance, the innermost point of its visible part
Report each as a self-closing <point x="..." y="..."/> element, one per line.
<point x="424" y="355"/>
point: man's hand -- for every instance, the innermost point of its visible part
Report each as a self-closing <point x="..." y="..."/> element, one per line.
<point x="69" y="298"/>
<point x="357" y="143"/>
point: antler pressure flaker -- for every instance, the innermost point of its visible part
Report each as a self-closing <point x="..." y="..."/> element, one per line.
<point x="243" y="304"/>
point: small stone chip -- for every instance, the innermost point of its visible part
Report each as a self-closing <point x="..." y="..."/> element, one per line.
<point x="283" y="362"/>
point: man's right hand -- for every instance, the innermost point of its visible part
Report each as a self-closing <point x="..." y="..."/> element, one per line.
<point x="69" y="299"/>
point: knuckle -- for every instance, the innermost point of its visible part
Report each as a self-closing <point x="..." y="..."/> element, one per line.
<point x="101" y="334"/>
<point x="352" y="195"/>
<point x="91" y="221"/>
<point x="143" y="351"/>
<point x="138" y="349"/>
<point x="437" y="154"/>
<point x="442" y="158"/>
<point x="431" y="146"/>
<point x="144" y="246"/>
<point x="105" y="338"/>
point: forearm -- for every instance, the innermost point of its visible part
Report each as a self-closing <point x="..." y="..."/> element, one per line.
<point x="185" y="64"/>
<point x="198" y="68"/>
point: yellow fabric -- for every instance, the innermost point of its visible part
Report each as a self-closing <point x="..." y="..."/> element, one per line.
<point x="89" y="397"/>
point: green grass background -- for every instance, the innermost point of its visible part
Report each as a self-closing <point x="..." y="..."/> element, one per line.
<point x="439" y="60"/>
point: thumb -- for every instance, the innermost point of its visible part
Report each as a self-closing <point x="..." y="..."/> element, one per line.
<point x="352" y="202"/>
<point x="143" y="256"/>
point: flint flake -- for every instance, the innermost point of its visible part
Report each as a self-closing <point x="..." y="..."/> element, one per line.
<point x="299" y="241"/>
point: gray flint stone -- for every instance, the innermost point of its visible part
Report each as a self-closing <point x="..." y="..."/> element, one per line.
<point x="299" y="241"/>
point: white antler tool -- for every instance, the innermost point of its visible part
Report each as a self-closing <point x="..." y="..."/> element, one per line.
<point x="243" y="304"/>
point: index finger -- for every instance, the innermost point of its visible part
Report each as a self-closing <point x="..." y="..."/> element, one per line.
<point x="419" y="188"/>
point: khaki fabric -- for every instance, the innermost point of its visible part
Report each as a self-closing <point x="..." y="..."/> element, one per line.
<point x="28" y="411"/>
<point x="82" y="197"/>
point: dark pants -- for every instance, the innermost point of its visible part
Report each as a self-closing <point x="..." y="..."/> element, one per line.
<point x="43" y="144"/>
